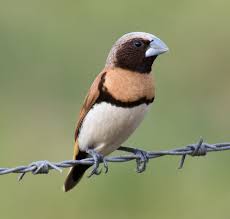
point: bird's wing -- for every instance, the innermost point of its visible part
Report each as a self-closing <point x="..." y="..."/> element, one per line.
<point x="77" y="171"/>
<point x="90" y="99"/>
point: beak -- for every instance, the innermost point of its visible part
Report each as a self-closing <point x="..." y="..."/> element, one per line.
<point x="156" y="47"/>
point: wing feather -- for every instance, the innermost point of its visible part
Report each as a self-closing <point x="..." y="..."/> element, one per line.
<point x="90" y="99"/>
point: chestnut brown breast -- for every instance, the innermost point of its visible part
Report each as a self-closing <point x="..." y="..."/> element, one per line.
<point x="129" y="86"/>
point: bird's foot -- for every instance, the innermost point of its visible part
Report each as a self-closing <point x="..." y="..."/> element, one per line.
<point x="142" y="157"/>
<point x="98" y="158"/>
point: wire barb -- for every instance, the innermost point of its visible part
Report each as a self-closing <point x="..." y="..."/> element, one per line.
<point x="198" y="149"/>
<point x="40" y="167"/>
<point x="142" y="157"/>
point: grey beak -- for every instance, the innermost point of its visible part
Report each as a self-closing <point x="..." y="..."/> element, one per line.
<point x="156" y="47"/>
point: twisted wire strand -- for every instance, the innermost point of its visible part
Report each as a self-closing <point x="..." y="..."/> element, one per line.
<point x="43" y="167"/>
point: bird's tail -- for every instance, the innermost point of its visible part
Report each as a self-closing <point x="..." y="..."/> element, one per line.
<point x="75" y="174"/>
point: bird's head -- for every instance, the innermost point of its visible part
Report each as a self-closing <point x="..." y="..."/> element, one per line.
<point x="136" y="51"/>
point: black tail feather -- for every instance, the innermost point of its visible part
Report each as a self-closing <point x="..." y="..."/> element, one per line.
<point x="75" y="173"/>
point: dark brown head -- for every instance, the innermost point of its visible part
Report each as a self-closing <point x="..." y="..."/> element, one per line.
<point x="136" y="51"/>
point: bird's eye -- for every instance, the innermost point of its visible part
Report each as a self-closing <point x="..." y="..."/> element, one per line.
<point x="137" y="43"/>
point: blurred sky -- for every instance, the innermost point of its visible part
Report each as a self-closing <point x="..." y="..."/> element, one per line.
<point x="50" y="52"/>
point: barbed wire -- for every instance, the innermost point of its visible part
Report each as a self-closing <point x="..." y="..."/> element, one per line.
<point x="142" y="157"/>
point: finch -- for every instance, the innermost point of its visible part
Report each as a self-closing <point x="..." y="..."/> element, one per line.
<point x="117" y="100"/>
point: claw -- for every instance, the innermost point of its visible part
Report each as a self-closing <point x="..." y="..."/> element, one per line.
<point x="98" y="158"/>
<point x="95" y="171"/>
<point x="105" y="163"/>
<point x="142" y="159"/>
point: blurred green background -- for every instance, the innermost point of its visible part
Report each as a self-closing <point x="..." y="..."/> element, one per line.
<point x="50" y="52"/>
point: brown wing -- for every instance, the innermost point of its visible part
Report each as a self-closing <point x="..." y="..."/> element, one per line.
<point x="90" y="99"/>
<point x="76" y="172"/>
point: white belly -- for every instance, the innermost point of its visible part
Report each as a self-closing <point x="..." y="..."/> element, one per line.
<point x="106" y="126"/>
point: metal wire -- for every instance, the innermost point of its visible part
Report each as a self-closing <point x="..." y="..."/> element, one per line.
<point x="42" y="167"/>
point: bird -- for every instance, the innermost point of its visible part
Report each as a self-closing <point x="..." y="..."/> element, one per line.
<point x="117" y="101"/>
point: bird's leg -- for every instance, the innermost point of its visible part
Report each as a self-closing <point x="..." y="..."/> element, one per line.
<point x="98" y="158"/>
<point x="142" y="159"/>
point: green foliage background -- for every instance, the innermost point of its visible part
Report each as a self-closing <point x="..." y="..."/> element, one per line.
<point x="50" y="51"/>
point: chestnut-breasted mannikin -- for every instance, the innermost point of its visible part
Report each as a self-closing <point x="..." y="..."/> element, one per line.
<point x="117" y="101"/>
